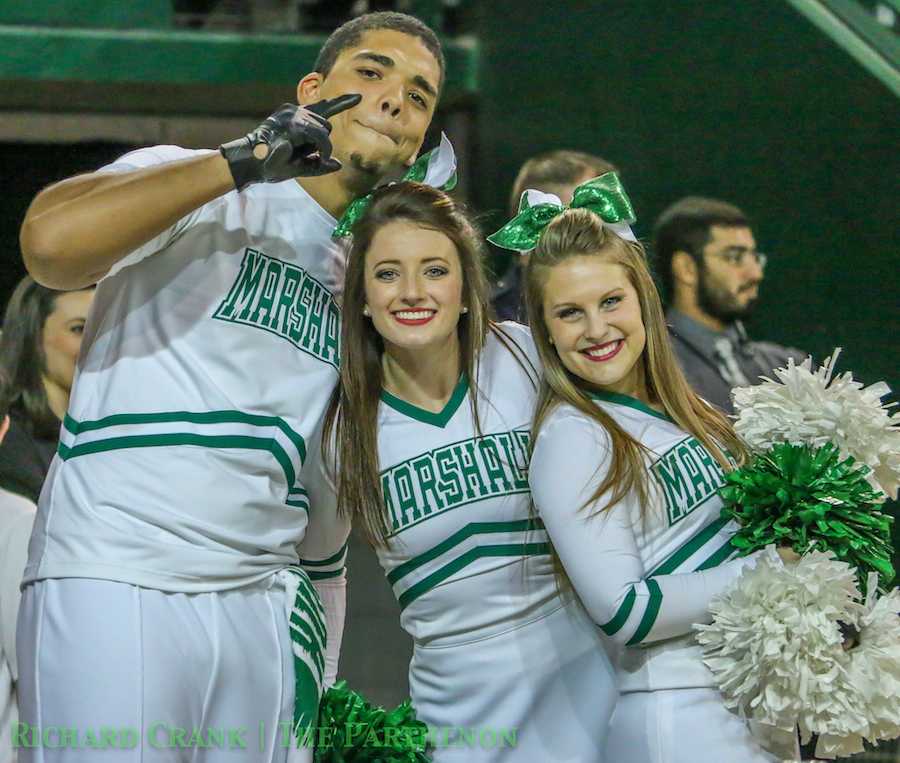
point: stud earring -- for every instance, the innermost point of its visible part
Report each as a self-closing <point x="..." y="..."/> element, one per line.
<point x="366" y="311"/>
<point x="464" y="309"/>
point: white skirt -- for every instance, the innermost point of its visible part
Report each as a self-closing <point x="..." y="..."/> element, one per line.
<point x="680" y="726"/>
<point x="121" y="673"/>
<point x="543" y="691"/>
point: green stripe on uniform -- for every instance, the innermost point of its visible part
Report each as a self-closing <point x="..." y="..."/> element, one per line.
<point x="307" y="639"/>
<point x="439" y="419"/>
<point x="163" y="440"/>
<point x="717" y="558"/>
<point x="473" y="528"/>
<point x="479" y="552"/>
<point x="325" y="562"/>
<point x="206" y="417"/>
<point x="689" y="548"/>
<point x="650" y="613"/>
<point x="313" y="608"/>
<point x="618" y="620"/>
<point x="313" y="575"/>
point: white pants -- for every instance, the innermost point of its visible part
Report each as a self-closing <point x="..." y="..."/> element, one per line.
<point x="679" y="726"/>
<point x="115" y="672"/>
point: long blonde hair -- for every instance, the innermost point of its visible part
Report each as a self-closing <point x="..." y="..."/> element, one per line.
<point x="580" y="233"/>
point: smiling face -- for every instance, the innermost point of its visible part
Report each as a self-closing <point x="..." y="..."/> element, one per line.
<point x="398" y="79"/>
<point x="593" y="314"/>
<point x="413" y="287"/>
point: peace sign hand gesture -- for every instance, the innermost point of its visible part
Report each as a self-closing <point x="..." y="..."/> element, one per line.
<point x="292" y="142"/>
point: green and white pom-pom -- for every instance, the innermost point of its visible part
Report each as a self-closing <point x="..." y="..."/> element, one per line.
<point x="806" y="498"/>
<point x="874" y="672"/>
<point x="813" y="408"/>
<point x="775" y="649"/>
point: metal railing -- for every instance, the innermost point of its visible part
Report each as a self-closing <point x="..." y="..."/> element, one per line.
<point x="865" y="29"/>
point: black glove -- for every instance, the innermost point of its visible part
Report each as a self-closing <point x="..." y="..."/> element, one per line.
<point x="293" y="142"/>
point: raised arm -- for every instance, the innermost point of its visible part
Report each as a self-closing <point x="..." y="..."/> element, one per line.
<point x="76" y="230"/>
<point x="600" y="553"/>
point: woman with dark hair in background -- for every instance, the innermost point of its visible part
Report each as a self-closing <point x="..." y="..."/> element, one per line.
<point x="39" y="346"/>
<point x="431" y="426"/>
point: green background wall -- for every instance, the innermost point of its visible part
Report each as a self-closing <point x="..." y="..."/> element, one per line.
<point x="744" y="101"/>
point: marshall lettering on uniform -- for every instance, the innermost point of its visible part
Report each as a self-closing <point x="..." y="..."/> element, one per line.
<point x="454" y="475"/>
<point x="285" y="300"/>
<point x="688" y="475"/>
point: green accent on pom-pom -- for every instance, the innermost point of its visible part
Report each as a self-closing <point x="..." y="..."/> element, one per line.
<point x="810" y="499"/>
<point x="366" y="734"/>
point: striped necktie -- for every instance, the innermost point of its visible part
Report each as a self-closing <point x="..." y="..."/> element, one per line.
<point x="728" y="365"/>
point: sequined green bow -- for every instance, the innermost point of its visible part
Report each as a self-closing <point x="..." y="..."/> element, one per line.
<point x="416" y="174"/>
<point x="603" y="195"/>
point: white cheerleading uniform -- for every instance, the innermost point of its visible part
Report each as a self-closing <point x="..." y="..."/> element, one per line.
<point x="504" y="667"/>
<point x="646" y="576"/>
<point x="189" y="465"/>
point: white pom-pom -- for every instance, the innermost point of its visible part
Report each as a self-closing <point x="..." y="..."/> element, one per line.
<point x="775" y="648"/>
<point x="874" y="670"/>
<point x="815" y="408"/>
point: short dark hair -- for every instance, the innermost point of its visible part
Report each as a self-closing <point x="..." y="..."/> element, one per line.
<point x="685" y="227"/>
<point x="555" y="168"/>
<point x="351" y="32"/>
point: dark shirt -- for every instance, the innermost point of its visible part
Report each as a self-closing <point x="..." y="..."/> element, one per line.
<point x="704" y="367"/>
<point x="506" y="296"/>
<point x="24" y="458"/>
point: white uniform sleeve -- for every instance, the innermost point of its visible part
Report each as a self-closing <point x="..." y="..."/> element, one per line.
<point x="323" y="555"/>
<point x="140" y="159"/>
<point x="600" y="553"/>
<point x="333" y="593"/>
<point x="15" y="530"/>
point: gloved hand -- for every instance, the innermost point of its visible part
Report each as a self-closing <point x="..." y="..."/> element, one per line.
<point x="292" y="142"/>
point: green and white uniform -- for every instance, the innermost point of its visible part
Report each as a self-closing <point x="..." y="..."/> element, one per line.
<point x="188" y="459"/>
<point x="498" y="652"/>
<point x="646" y="576"/>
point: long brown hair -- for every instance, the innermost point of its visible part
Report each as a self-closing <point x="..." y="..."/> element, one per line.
<point x="22" y="357"/>
<point x="580" y="233"/>
<point x="352" y="417"/>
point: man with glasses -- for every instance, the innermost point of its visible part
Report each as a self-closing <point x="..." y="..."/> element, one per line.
<point x="711" y="273"/>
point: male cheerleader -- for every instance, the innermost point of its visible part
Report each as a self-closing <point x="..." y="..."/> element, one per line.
<point x="163" y="569"/>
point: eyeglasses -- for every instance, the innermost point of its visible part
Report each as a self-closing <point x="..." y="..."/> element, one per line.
<point x="737" y="259"/>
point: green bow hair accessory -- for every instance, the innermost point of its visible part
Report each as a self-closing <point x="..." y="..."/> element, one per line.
<point x="603" y="195"/>
<point x="437" y="168"/>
